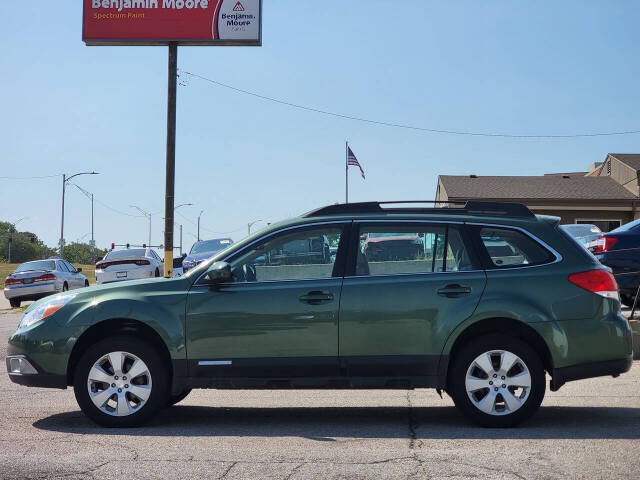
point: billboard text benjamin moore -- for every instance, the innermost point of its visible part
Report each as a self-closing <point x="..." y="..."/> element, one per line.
<point x="158" y="22"/>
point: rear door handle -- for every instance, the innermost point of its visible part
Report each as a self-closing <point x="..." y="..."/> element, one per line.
<point x="454" y="290"/>
<point x="316" y="297"/>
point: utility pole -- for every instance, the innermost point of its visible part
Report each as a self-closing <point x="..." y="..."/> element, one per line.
<point x="180" y="239"/>
<point x="171" y="158"/>
<point x="65" y="179"/>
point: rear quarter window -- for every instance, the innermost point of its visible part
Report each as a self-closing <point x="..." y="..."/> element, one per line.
<point x="512" y="248"/>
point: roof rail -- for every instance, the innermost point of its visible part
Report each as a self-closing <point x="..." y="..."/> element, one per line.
<point x="469" y="207"/>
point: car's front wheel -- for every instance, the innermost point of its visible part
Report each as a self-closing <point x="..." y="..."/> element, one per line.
<point x="173" y="399"/>
<point x="497" y="380"/>
<point x="121" y="382"/>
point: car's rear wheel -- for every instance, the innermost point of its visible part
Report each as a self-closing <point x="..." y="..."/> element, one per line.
<point x="627" y="300"/>
<point x="65" y="287"/>
<point x="173" y="399"/>
<point x="121" y="382"/>
<point x="14" y="302"/>
<point x="497" y="381"/>
<point x="157" y="272"/>
<point x="86" y="283"/>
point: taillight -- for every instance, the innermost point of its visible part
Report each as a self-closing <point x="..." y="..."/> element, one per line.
<point x="44" y="278"/>
<point x="597" y="281"/>
<point x="142" y="262"/>
<point x="602" y="244"/>
<point x="100" y="266"/>
<point x="12" y="281"/>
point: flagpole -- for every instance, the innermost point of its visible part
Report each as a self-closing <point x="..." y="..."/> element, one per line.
<point x="346" y="171"/>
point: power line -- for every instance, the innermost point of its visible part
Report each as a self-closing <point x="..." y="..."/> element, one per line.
<point x="401" y="125"/>
<point x="208" y="229"/>
<point x="104" y="204"/>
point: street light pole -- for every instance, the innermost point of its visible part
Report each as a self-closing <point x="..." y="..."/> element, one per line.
<point x="65" y="179"/>
<point x="146" y="214"/>
<point x="250" y="224"/>
<point x="10" y="240"/>
<point x="199" y="215"/>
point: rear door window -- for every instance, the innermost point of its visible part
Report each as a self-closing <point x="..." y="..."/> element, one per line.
<point x="513" y="248"/>
<point x="395" y="249"/>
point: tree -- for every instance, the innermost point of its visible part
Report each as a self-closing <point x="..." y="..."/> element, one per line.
<point x="25" y="246"/>
<point x="80" y="253"/>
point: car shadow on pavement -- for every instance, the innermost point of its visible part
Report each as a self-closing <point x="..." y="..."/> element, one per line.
<point x="326" y="424"/>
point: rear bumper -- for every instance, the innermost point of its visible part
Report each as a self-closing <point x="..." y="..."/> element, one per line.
<point x="30" y="292"/>
<point x="590" y="370"/>
<point x="111" y="275"/>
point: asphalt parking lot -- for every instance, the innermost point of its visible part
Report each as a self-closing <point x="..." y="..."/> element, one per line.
<point x="589" y="429"/>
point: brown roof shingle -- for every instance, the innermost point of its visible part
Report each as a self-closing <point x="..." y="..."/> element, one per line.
<point x="631" y="159"/>
<point x="539" y="187"/>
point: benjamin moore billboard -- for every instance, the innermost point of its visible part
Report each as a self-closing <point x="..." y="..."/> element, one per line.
<point x="157" y="22"/>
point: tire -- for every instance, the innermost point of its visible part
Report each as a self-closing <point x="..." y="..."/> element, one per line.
<point x="627" y="300"/>
<point x="503" y="406"/>
<point x="14" y="302"/>
<point x="65" y="287"/>
<point x="153" y="382"/>
<point x="157" y="273"/>
<point x="173" y="399"/>
<point x="86" y="283"/>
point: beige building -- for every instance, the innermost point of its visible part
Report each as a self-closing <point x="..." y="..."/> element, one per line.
<point x="607" y="194"/>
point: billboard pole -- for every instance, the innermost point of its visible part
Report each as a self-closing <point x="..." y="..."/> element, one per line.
<point x="171" y="159"/>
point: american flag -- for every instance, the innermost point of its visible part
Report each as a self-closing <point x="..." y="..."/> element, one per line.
<point x="352" y="160"/>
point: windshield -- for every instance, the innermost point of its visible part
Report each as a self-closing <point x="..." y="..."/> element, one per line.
<point x="581" y="230"/>
<point x="627" y="226"/>
<point x="133" y="252"/>
<point x="39" y="265"/>
<point x="210" y="245"/>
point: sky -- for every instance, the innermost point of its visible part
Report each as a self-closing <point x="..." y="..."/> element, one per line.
<point x="535" y="68"/>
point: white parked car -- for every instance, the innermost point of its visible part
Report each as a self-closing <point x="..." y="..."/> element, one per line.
<point x="129" y="264"/>
<point x="41" y="278"/>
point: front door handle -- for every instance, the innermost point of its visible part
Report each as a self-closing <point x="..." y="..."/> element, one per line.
<point x="316" y="297"/>
<point x="454" y="291"/>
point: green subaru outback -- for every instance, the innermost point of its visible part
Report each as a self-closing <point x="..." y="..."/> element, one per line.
<point x="490" y="299"/>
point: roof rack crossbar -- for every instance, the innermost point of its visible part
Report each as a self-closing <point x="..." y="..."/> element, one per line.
<point x="473" y="207"/>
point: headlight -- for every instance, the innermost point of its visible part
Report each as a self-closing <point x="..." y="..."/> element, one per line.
<point x="45" y="310"/>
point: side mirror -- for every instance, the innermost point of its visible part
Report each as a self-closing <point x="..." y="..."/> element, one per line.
<point x="219" y="272"/>
<point x="79" y="269"/>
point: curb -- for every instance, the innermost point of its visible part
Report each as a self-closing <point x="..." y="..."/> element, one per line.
<point x="635" y="329"/>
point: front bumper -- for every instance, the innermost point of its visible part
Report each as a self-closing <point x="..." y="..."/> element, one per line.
<point x="24" y="371"/>
<point x="590" y="370"/>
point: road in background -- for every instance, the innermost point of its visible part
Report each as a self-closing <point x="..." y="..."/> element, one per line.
<point x="589" y="429"/>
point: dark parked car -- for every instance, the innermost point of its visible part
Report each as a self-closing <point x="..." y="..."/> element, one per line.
<point x="380" y="246"/>
<point x="203" y="250"/>
<point x="616" y="250"/>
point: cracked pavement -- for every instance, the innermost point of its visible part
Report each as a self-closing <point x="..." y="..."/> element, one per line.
<point x="589" y="429"/>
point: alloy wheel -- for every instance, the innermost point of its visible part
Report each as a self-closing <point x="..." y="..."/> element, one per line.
<point x="119" y="384"/>
<point x="498" y="382"/>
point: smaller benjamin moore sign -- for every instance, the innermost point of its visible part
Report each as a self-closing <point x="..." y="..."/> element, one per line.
<point x="158" y="22"/>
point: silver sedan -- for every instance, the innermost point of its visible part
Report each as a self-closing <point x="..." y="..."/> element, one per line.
<point x="40" y="278"/>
